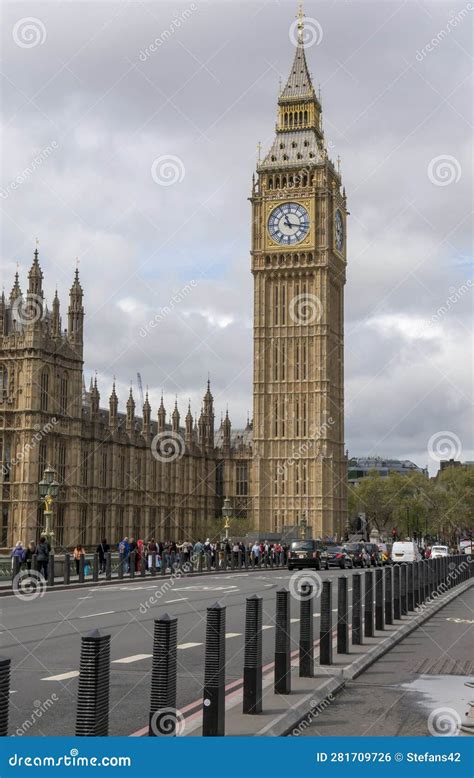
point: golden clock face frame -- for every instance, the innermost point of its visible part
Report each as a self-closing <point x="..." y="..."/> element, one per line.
<point x="339" y="231"/>
<point x="290" y="217"/>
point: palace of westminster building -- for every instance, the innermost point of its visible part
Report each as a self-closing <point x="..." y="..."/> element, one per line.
<point x="130" y="474"/>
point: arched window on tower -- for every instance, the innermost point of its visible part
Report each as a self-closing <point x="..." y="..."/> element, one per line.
<point x="63" y="393"/>
<point x="275" y="304"/>
<point x="44" y="390"/>
<point x="275" y="361"/>
<point x="3" y="382"/>
<point x="286" y="119"/>
<point x="306" y="117"/>
<point x="304" y="361"/>
<point x="283" y="304"/>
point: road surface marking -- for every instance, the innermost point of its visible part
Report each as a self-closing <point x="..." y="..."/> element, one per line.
<point x="178" y="599"/>
<point x="62" y="676"/>
<point x="91" y="615"/>
<point x="294" y="620"/>
<point x="89" y="597"/>
<point x="232" y="634"/>
<point x="126" y="660"/>
<point x="188" y="645"/>
<point x="268" y="626"/>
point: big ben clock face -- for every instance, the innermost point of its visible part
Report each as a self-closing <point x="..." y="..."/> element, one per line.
<point x="339" y="230"/>
<point x="288" y="223"/>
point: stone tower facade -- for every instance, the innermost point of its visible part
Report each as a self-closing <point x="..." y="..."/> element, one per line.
<point x="298" y="260"/>
<point x="119" y="474"/>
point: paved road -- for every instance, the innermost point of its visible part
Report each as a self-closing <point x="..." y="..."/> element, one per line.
<point x="43" y="639"/>
<point x="422" y="674"/>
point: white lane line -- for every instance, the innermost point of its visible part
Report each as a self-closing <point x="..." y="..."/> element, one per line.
<point x="13" y="691"/>
<point x="178" y="599"/>
<point x="293" y="621"/>
<point x="189" y="645"/>
<point x="89" y="597"/>
<point x="316" y="614"/>
<point x="268" y="626"/>
<point x="232" y="634"/>
<point x="127" y="660"/>
<point x="91" y="615"/>
<point x="62" y="676"/>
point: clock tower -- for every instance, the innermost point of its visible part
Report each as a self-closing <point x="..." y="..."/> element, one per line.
<point x="299" y="268"/>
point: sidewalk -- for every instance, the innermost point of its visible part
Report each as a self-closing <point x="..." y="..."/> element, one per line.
<point x="422" y="677"/>
<point x="309" y="698"/>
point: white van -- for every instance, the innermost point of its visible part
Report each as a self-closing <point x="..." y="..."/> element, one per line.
<point x="405" y="551"/>
<point x="438" y="551"/>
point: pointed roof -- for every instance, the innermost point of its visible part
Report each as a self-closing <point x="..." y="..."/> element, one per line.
<point x="35" y="270"/>
<point x="113" y="396"/>
<point x="299" y="84"/>
<point x="76" y="288"/>
<point x="16" y="291"/>
<point x="146" y="404"/>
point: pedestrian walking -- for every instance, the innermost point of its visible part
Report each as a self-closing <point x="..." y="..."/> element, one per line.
<point x="18" y="552"/>
<point x="152" y="549"/>
<point x="30" y="550"/>
<point x="42" y="555"/>
<point x="102" y="549"/>
<point x="77" y="554"/>
<point x="124" y="554"/>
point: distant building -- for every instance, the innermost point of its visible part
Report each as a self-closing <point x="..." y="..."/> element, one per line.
<point x="359" y="467"/>
<point x="453" y="463"/>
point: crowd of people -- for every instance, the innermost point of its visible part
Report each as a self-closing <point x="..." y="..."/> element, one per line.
<point x="168" y="553"/>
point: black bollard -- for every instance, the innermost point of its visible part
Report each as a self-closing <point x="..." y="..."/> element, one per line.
<point x="325" y="634"/>
<point x="397" y="605"/>
<point x="131" y="560"/>
<point x="369" y="605"/>
<point x="4" y="694"/>
<point x="200" y="559"/>
<point x="67" y="568"/>
<point x="246" y="558"/>
<point x="92" y="716"/>
<point x="419" y="576"/>
<point x="82" y="564"/>
<point x="282" y="679"/>
<point x="342" y="616"/>
<point x="51" y="569"/>
<point x="153" y="563"/>
<point x="163" y="719"/>
<point x="411" y="586"/>
<point x="34" y="562"/>
<point x="239" y="559"/>
<point x="379" y="602"/>
<point x="143" y="564"/>
<point x="416" y="601"/>
<point x="388" y="574"/>
<point x="306" y="663"/>
<point x="213" y="712"/>
<point x="121" y="565"/>
<point x="252" y="692"/>
<point x="108" y="565"/>
<point x="403" y="588"/>
<point x="95" y="568"/>
<point x="357" y="609"/>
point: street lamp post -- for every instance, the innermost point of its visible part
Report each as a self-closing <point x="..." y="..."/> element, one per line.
<point x="227" y="513"/>
<point x="48" y="491"/>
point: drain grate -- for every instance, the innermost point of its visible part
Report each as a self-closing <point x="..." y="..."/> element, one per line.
<point x="445" y="666"/>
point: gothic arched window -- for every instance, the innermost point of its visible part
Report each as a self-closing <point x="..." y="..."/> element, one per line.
<point x="63" y="393"/>
<point x="44" y="390"/>
<point x="3" y="382"/>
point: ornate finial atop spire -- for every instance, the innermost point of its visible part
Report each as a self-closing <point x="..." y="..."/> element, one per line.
<point x="36" y="252"/>
<point x="300" y="16"/>
<point x="259" y="152"/>
<point x="338" y="164"/>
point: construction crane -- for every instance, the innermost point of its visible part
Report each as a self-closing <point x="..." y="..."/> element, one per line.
<point x="140" y="387"/>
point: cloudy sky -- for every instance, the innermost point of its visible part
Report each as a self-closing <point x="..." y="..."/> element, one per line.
<point x="89" y="112"/>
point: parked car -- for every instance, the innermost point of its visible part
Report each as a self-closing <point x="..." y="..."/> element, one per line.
<point x="438" y="551"/>
<point x="374" y="554"/>
<point x="335" y="556"/>
<point x="385" y="553"/>
<point x="405" y="551"/>
<point x="358" y="554"/>
<point x="305" y="553"/>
